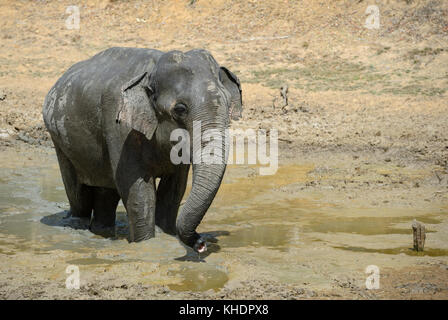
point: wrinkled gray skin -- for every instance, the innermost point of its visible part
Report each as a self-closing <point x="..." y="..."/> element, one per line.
<point x="110" y="118"/>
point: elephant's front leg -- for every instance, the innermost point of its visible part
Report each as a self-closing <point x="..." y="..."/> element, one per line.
<point x="140" y="203"/>
<point x="170" y="191"/>
<point x="136" y="187"/>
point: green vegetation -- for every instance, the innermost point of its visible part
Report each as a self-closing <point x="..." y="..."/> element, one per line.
<point x="343" y="75"/>
<point x="321" y="76"/>
<point x="425" y="52"/>
<point x="382" y="50"/>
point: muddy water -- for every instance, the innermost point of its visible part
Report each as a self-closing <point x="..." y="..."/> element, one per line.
<point x="256" y="223"/>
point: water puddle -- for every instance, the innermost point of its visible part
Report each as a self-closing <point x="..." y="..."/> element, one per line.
<point x="197" y="278"/>
<point x="268" y="236"/>
<point x="95" y="261"/>
<point x="367" y="225"/>
<point x="248" y="214"/>
<point x="407" y="251"/>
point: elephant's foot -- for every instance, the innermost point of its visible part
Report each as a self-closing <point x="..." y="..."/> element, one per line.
<point x="76" y="221"/>
<point x="104" y="211"/>
<point x="98" y="228"/>
<point x="75" y="213"/>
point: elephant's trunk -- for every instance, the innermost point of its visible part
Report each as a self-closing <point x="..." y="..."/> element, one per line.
<point x="207" y="178"/>
<point x="206" y="181"/>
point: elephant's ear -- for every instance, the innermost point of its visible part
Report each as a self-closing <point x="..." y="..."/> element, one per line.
<point x="232" y="84"/>
<point x="137" y="110"/>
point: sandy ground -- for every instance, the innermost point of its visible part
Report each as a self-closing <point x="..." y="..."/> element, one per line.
<point x="364" y="135"/>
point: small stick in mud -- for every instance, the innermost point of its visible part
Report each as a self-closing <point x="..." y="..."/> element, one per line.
<point x="419" y="235"/>
<point x="284" y="94"/>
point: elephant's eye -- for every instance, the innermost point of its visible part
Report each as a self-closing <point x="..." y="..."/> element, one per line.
<point x="180" y="110"/>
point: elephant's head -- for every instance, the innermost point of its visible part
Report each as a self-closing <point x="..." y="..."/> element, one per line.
<point x="184" y="88"/>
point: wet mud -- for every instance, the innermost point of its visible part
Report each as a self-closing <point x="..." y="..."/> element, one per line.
<point x="363" y="151"/>
<point x="256" y="232"/>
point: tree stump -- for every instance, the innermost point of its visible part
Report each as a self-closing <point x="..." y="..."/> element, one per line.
<point x="419" y="235"/>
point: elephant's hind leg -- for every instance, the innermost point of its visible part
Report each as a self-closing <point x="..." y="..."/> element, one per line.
<point x="104" y="211"/>
<point x="80" y="196"/>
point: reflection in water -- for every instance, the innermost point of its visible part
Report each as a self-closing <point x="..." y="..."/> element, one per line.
<point x="248" y="188"/>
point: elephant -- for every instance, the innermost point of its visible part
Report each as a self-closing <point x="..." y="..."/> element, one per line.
<point x="110" y="119"/>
